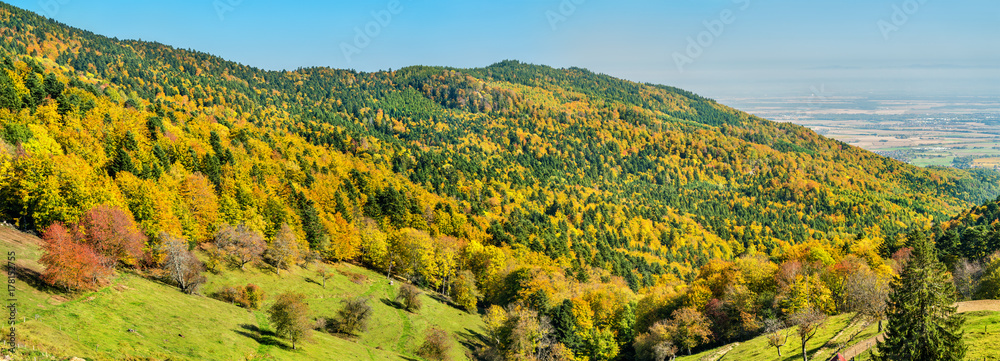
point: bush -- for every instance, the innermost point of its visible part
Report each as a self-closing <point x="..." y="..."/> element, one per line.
<point x="249" y="297"/>
<point x="409" y="296"/>
<point x="253" y="296"/>
<point x="436" y="345"/>
<point x="353" y="316"/>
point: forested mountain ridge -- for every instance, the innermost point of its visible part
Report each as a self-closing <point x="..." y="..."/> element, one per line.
<point x="568" y="163"/>
<point x="614" y="209"/>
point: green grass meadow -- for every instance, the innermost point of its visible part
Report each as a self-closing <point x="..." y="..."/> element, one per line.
<point x="982" y="336"/>
<point x="171" y="325"/>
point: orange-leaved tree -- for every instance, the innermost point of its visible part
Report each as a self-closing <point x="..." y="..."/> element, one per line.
<point x="69" y="263"/>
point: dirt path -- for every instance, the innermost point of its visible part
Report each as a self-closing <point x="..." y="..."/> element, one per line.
<point x="7" y="232"/>
<point x="862" y="346"/>
<point x="981" y="305"/>
<point x="967" y="306"/>
<point x="722" y="353"/>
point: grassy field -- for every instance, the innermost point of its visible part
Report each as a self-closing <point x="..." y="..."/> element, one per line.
<point x="828" y="339"/>
<point x="982" y="334"/>
<point x="171" y="325"/>
<point x="987" y="162"/>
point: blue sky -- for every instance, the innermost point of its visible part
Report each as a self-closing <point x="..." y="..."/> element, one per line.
<point x="714" y="47"/>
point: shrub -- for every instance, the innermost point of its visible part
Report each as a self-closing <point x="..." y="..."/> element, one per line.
<point x="249" y="297"/>
<point x="436" y="345"/>
<point x="409" y="296"/>
<point x="353" y="316"/>
<point x="253" y="296"/>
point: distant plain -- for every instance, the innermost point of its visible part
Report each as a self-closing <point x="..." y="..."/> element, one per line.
<point x="956" y="131"/>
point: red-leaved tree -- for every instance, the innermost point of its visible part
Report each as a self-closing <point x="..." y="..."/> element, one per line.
<point x="69" y="263"/>
<point x="113" y="234"/>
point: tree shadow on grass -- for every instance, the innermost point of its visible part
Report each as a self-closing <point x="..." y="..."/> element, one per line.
<point x="471" y="339"/>
<point x="263" y="337"/>
<point x="34" y="279"/>
<point x="393" y="304"/>
<point x="443" y="299"/>
<point x="310" y="280"/>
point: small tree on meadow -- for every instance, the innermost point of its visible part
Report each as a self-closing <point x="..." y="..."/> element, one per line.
<point x="809" y="321"/>
<point x="777" y="333"/>
<point x="409" y="297"/>
<point x="113" y="235"/>
<point x="323" y="273"/>
<point x="657" y="344"/>
<point x="690" y="328"/>
<point x="240" y="244"/>
<point x="184" y="269"/>
<point x="290" y="316"/>
<point x="867" y="294"/>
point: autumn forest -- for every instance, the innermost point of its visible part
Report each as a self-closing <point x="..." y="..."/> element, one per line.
<point x="582" y="217"/>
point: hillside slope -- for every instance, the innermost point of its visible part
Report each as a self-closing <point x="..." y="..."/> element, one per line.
<point x="575" y="165"/>
<point x="536" y="195"/>
<point x="170" y="325"/>
<point x="836" y="331"/>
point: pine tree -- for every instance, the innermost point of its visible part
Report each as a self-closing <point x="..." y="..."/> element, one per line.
<point x="922" y="321"/>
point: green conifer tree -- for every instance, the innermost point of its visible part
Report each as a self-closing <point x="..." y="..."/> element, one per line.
<point x="922" y="321"/>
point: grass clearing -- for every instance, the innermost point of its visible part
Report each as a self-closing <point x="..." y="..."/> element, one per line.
<point x="982" y="334"/>
<point x="822" y="345"/>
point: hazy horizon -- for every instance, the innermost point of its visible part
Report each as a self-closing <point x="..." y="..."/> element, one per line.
<point x="715" y="48"/>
